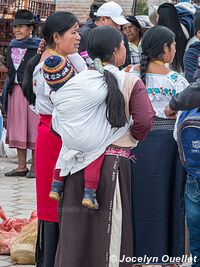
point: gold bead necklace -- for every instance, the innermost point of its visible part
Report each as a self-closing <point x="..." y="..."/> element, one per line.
<point x="159" y="62"/>
<point x="53" y="52"/>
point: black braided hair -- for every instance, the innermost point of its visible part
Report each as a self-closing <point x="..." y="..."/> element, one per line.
<point x="152" y="44"/>
<point x="144" y="62"/>
<point x="60" y="22"/>
<point x="102" y="42"/>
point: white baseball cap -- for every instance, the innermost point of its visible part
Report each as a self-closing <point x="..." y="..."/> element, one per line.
<point x="114" y="11"/>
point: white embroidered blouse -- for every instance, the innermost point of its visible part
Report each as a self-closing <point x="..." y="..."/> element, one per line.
<point x="161" y="88"/>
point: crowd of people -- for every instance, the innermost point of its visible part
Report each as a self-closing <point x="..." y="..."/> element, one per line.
<point x="98" y="106"/>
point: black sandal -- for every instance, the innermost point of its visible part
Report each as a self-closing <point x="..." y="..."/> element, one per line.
<point x="16" y="173"/>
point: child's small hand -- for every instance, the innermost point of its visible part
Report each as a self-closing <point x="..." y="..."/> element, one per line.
<point x="41" y="47"/>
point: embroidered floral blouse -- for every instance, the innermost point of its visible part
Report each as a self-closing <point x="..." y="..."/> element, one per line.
<point x="161" y="88"/>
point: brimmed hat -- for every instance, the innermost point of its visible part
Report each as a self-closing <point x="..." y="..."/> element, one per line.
<point x="23" y="17"/>
<point x="113" y="11"/>
<point x="57" y="71"/>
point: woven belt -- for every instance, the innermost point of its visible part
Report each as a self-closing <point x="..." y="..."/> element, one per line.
<point x="163" y="124"/>
<point x="121" y="152"/>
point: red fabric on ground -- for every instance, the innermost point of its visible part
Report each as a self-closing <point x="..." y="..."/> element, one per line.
<point x="10" y="228"/>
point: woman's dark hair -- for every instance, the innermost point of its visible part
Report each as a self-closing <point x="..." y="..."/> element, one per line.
<point x="102" y="42"/>
<point x="168" y="17"/>
<point x="58" y="22"/>
<point x="94" y="7"/>
<point x="34" y="28"/>
<point x="152" y="44"/>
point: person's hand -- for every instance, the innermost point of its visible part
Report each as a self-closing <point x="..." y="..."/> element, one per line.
<point x="170" y="114"/>
<point x="41" y="47"/>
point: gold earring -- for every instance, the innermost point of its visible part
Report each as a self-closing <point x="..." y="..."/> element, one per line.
<point x="56" y="46"/>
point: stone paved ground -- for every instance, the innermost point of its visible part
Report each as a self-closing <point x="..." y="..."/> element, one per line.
<point x="17" y="197"/>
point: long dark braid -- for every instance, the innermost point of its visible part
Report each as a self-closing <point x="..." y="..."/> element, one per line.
<point x="144" y="63"/>
<point x="102" y="42"/>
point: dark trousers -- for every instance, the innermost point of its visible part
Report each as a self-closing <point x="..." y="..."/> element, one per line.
<point x="47" y="240"/>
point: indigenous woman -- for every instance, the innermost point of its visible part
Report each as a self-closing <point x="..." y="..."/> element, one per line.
<point x="61" y="33"/>
<point x="158" y="179"/>
<point x="21" y="119"/>
<point x="111" y="115"/>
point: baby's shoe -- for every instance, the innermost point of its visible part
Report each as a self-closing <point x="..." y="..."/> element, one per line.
<point x="56" y="190"/>
<point x="55" y="195"/>
<point x="89" y="199"/>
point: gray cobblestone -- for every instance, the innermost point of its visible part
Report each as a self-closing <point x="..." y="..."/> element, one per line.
<point x="17" y="197"/>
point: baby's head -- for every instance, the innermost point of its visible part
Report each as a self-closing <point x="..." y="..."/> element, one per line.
<point x="57" y="71"/>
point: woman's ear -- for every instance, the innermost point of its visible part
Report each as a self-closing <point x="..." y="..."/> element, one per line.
<point x="165" y="54"/>
<point x="165" y="48"/>
<point x="56" y="38"/>
<point x="165" y="51"/>
<point x="31" y="31"/>
<point x="113" y="56"/>
<point x="198" y="34"/>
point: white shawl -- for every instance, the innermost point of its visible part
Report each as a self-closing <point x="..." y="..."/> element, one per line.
<point x="79" y="117"/>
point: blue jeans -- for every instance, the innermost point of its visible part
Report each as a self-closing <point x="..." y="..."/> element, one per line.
<point x="192" y="205"/>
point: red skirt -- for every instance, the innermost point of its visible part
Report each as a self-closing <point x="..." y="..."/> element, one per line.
<point x="47" y="150"/>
